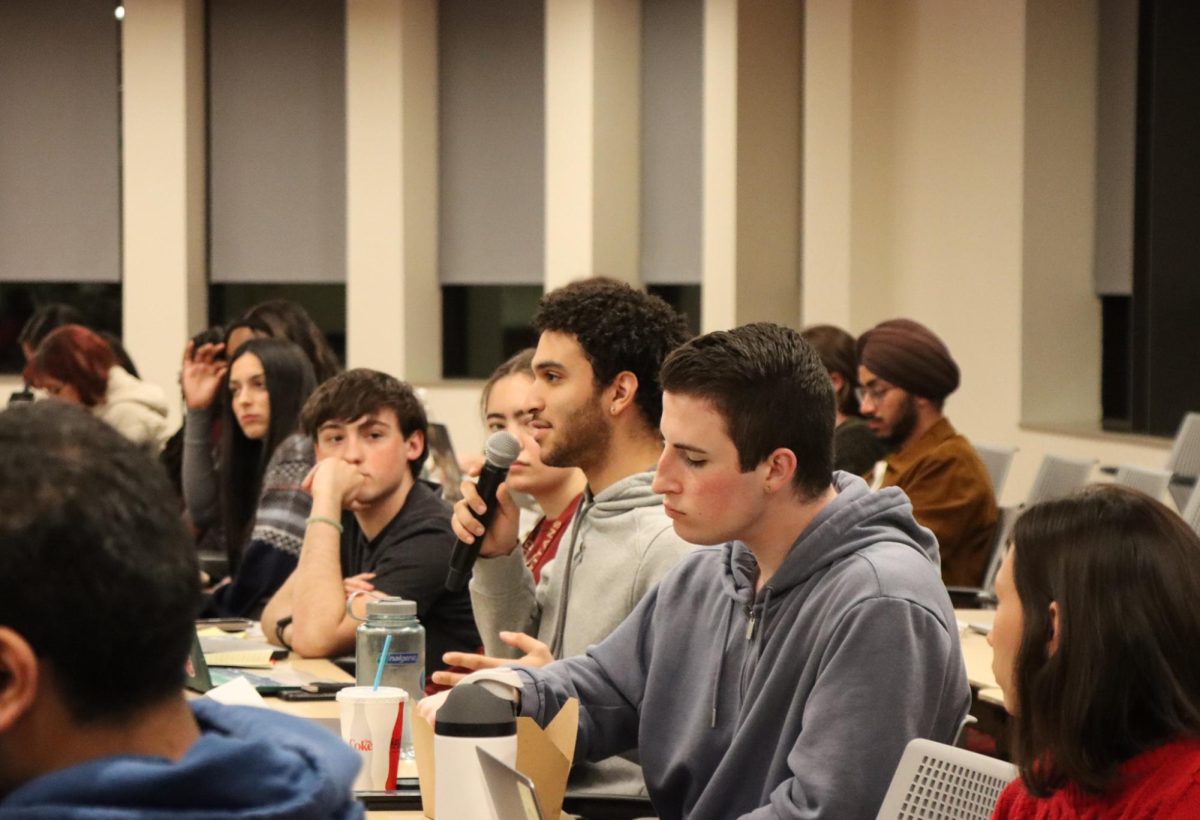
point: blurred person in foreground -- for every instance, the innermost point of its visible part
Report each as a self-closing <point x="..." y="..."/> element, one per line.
<point x="98" y="591"/>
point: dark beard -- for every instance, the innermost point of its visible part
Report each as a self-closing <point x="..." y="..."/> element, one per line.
<point x="583" y="439"/>
<point x="903" y="428"/>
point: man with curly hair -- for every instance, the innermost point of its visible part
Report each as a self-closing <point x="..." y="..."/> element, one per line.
<point x="595" y="404"/>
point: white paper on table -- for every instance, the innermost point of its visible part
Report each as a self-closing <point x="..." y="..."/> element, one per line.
<point x="237" y="692"/>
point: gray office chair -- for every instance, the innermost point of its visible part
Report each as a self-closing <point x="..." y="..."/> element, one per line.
<point x="985" y="595"/>
<point x="997" y="460"/>
<point x="1185" y="457"/>
<point x="1191" y="510"/>
<point x="938" y="782"/>
<point x="1148" y="480"/>
<point x="1059" y="476"/>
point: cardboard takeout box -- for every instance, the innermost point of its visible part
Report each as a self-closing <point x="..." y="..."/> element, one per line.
<point x="543" y="755"/>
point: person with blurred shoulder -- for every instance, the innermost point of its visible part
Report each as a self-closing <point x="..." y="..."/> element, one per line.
<point x="76" y="365"/>
<point x="284" y="319"/>
<point x="53" y="315"/>
<point x="1095" y="649"/>
<point x="98" y="592"/>
<point x="906" y="373"/>
<point x="855" y="447"/>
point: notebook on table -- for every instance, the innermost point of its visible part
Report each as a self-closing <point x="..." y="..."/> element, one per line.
<point x="201" y="677"/>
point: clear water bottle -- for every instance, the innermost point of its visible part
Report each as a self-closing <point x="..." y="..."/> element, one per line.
<point x="404" y="665"/>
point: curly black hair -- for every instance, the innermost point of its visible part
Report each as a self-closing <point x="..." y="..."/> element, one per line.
<point x="620" y="328"/>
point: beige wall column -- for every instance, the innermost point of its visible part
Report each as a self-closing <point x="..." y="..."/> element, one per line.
<point x="752" y="98"/>
<point x="593" y="80"/>
<point x="827" y="91"/>
<point x="392" y="295"/>
<point x="163" y="202"/>
<point x="1060" y="371"/>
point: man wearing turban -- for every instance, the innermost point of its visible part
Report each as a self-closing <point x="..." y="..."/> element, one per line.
<point x="906" y="373"/>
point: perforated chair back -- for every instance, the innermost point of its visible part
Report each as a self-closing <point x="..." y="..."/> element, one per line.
<point x="997" y="460"/>
<point x="1191" y="510"/>
<point x="1059" y="476"/>
<point x="1185" y="457"/>
<point x="938" y="782"/>
<point x="1146" y="479"/>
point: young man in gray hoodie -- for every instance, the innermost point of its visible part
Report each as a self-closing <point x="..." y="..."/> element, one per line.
<point x="780" y="674"/>
<point x="595" y="405"/>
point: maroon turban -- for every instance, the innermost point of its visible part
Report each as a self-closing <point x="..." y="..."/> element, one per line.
<point x="910" y="356"/>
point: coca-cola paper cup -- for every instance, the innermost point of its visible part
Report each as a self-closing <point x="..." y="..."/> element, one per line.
<point x="372" y="722"/>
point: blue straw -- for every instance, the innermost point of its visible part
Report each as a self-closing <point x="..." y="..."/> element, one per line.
<point x="387" y="644"/>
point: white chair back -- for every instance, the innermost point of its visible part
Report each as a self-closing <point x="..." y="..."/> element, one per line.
<point x="934" y="780"/>
<point x="1185" y="457"/>
<point x="1148" y="480"/>
<point x="1059" y="476"/>
<point x="1191" y="510"/>
<point x="997" y="460"/>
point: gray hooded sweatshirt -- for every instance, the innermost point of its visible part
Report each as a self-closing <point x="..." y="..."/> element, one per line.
<point x="795" y="702"/>
<point x="618" y="545"/>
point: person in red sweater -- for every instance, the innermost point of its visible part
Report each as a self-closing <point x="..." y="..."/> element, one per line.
<point x="1095" y="647"/>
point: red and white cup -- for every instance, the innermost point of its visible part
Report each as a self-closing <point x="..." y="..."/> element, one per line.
<point x="372" y="722"/>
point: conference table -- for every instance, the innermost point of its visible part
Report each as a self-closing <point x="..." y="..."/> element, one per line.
<point x="987" y="702"/>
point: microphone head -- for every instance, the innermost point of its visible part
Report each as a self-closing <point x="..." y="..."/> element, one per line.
<point x="501" y="449"/>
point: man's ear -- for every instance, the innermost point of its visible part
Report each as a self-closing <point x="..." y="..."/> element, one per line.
<point x="18" y="677"/>
<point x="621" y="393"/>
<point x="1052" y="643"/>
<point x="414" y="445"/>
<point x="780" y="467"/>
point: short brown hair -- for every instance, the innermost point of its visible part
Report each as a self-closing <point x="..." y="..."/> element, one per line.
<point x="356" y="393"/>
<point x="770" y="387"/>
<point x="1125" y="678"/>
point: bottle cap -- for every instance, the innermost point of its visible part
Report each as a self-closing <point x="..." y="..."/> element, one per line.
<point x="391" y="608"/>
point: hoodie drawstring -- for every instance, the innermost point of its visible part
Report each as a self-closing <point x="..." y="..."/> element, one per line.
<point x="721" y="662"/>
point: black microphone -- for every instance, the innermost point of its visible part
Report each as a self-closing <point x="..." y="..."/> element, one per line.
<point x="500" y="451"/>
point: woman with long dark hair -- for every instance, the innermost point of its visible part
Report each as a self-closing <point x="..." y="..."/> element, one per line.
<point x="253" y="489"/>
<point x="1097" y="650"/>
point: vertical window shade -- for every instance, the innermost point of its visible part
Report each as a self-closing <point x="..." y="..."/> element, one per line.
<point x="1116" y="107"/>
<point x="672" y="109"/>
<point x="277" y="140"/>
<point x="60" y="201"/>
<point x="491" y="60"/>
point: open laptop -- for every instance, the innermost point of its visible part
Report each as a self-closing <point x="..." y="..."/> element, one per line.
<point x="512" y="794"/>
<point x="201" y="677"/>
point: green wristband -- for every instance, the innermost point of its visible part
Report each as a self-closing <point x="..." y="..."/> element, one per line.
<point x="323" y="519"/>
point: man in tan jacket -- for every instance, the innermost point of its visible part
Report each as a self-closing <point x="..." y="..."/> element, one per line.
<point x="906" y="373"/>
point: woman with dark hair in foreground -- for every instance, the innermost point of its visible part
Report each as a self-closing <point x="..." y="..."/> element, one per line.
<point x="1097" y="649"/>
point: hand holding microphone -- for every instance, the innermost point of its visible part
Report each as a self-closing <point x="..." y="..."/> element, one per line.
<point x="500" y="451"/>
